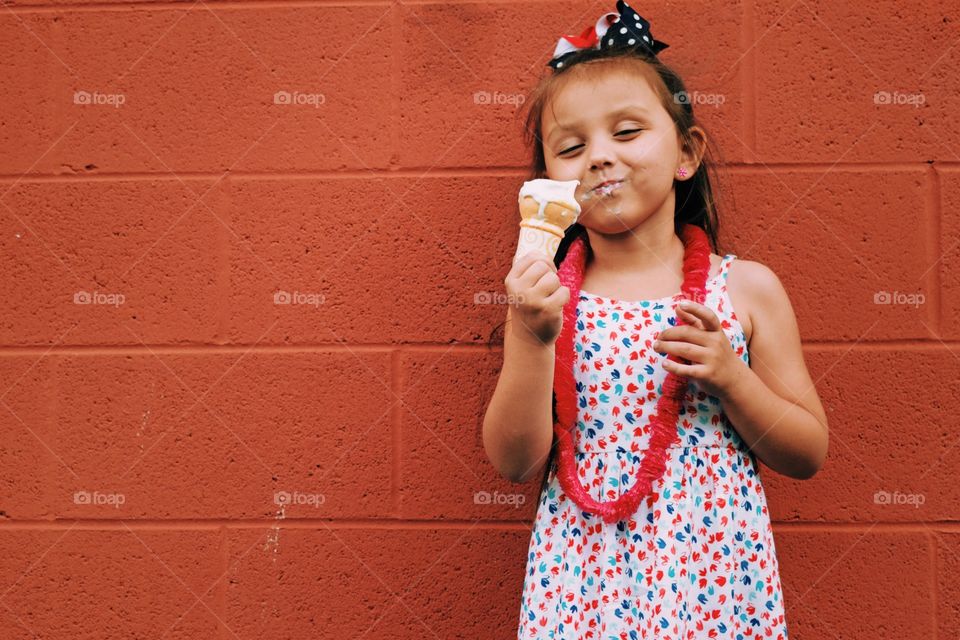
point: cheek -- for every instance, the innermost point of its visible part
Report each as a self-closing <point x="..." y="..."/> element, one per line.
<point x="651" y="182"/>
<point x="561" y="169"/>
<point x="550" y="165"/>
<point x="645" y="154"/>
<point x="651" y="168"/>
<point x="551" y="168"/>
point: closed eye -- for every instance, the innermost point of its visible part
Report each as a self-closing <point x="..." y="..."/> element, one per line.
<point x="580" y="145"/>
<point x="570" y="149"/>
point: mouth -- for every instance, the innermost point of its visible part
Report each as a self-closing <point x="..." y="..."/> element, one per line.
<point x="605" y="188"/>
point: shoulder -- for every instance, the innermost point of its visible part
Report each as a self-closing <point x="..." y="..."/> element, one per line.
<point x="755" y="290"/>
<point x="757" y="277"/>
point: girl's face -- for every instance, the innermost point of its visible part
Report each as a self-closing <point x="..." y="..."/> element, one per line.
<point x="614" y="129"/>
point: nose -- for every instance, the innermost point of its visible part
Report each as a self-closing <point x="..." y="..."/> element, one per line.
<point x="601" y="155"/>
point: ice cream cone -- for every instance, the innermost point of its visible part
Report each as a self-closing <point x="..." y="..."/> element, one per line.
<point x="547" y="209"/>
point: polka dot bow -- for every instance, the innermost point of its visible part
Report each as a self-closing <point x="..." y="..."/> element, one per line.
<point x="623" y="29"/>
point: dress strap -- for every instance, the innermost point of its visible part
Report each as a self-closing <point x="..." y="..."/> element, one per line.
<point x="725" y="263"/>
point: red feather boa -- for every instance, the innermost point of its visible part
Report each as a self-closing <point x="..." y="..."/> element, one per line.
<point x="696" y="269"/>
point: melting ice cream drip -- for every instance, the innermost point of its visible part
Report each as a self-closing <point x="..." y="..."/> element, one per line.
<point x="547" y="209"/>
<point x="601" y="193"/>
<point x="544" y="191"/>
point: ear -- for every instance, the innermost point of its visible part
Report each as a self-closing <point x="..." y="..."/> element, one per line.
<point x="691" y="153"/>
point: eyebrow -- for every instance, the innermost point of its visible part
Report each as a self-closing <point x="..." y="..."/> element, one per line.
<point x="613" y="116"/>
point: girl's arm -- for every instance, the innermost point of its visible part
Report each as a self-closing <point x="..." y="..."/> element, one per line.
<point x="517" y="427"/>
<point x="774" y="404"/>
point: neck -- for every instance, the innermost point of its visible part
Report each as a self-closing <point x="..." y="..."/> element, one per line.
<point x="645" y="249"/>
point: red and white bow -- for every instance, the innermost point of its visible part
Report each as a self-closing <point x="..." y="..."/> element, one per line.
<point x="589" y="39"/>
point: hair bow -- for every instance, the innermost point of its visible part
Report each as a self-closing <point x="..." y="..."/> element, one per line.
<point x="626" y="28"/>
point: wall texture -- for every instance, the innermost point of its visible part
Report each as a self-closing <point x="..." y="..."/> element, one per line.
<point x="243" y="355"/>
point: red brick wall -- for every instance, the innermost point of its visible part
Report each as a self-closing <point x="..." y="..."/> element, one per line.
<point x="155" y="397"/>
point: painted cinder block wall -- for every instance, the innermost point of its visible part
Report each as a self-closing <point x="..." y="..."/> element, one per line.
<point x="186" y="456"/>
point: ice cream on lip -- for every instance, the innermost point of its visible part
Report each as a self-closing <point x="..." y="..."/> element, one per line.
<point x="606" y="183"/>
<point x="603" y="187"/>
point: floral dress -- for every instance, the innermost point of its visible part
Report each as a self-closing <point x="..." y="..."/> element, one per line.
<point x="697" y="558"/>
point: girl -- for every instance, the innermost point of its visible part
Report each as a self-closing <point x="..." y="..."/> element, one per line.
<point x="652" y="520"/>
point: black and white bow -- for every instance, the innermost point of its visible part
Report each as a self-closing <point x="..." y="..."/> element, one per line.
<point x="626" y="28"/>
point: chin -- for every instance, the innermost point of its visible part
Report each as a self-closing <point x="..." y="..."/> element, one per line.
<point x="614" y="217"/>
<point x="610" y="225"/>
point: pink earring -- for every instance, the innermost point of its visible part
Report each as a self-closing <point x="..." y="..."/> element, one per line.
<point x="682" y="172"/>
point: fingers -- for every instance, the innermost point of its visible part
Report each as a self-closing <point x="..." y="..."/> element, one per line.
<point x="687" y="350"/>
<point x="559" y="298"/>
<point x="530" y="258"/>
<point x="690" y="319"/>
<point x="546" y="285"/>
<point x="685" y="333"/>
<point x="535" y="273"/>
<point x="689" y="309"/>
<point x="684" y="370"/>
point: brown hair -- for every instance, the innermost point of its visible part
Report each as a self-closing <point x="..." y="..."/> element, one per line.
<point x="695" y="198"/>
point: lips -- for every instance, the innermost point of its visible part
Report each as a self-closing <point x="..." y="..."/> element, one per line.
<point x="607" y="184"/>
<point x="606" y="189"/>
